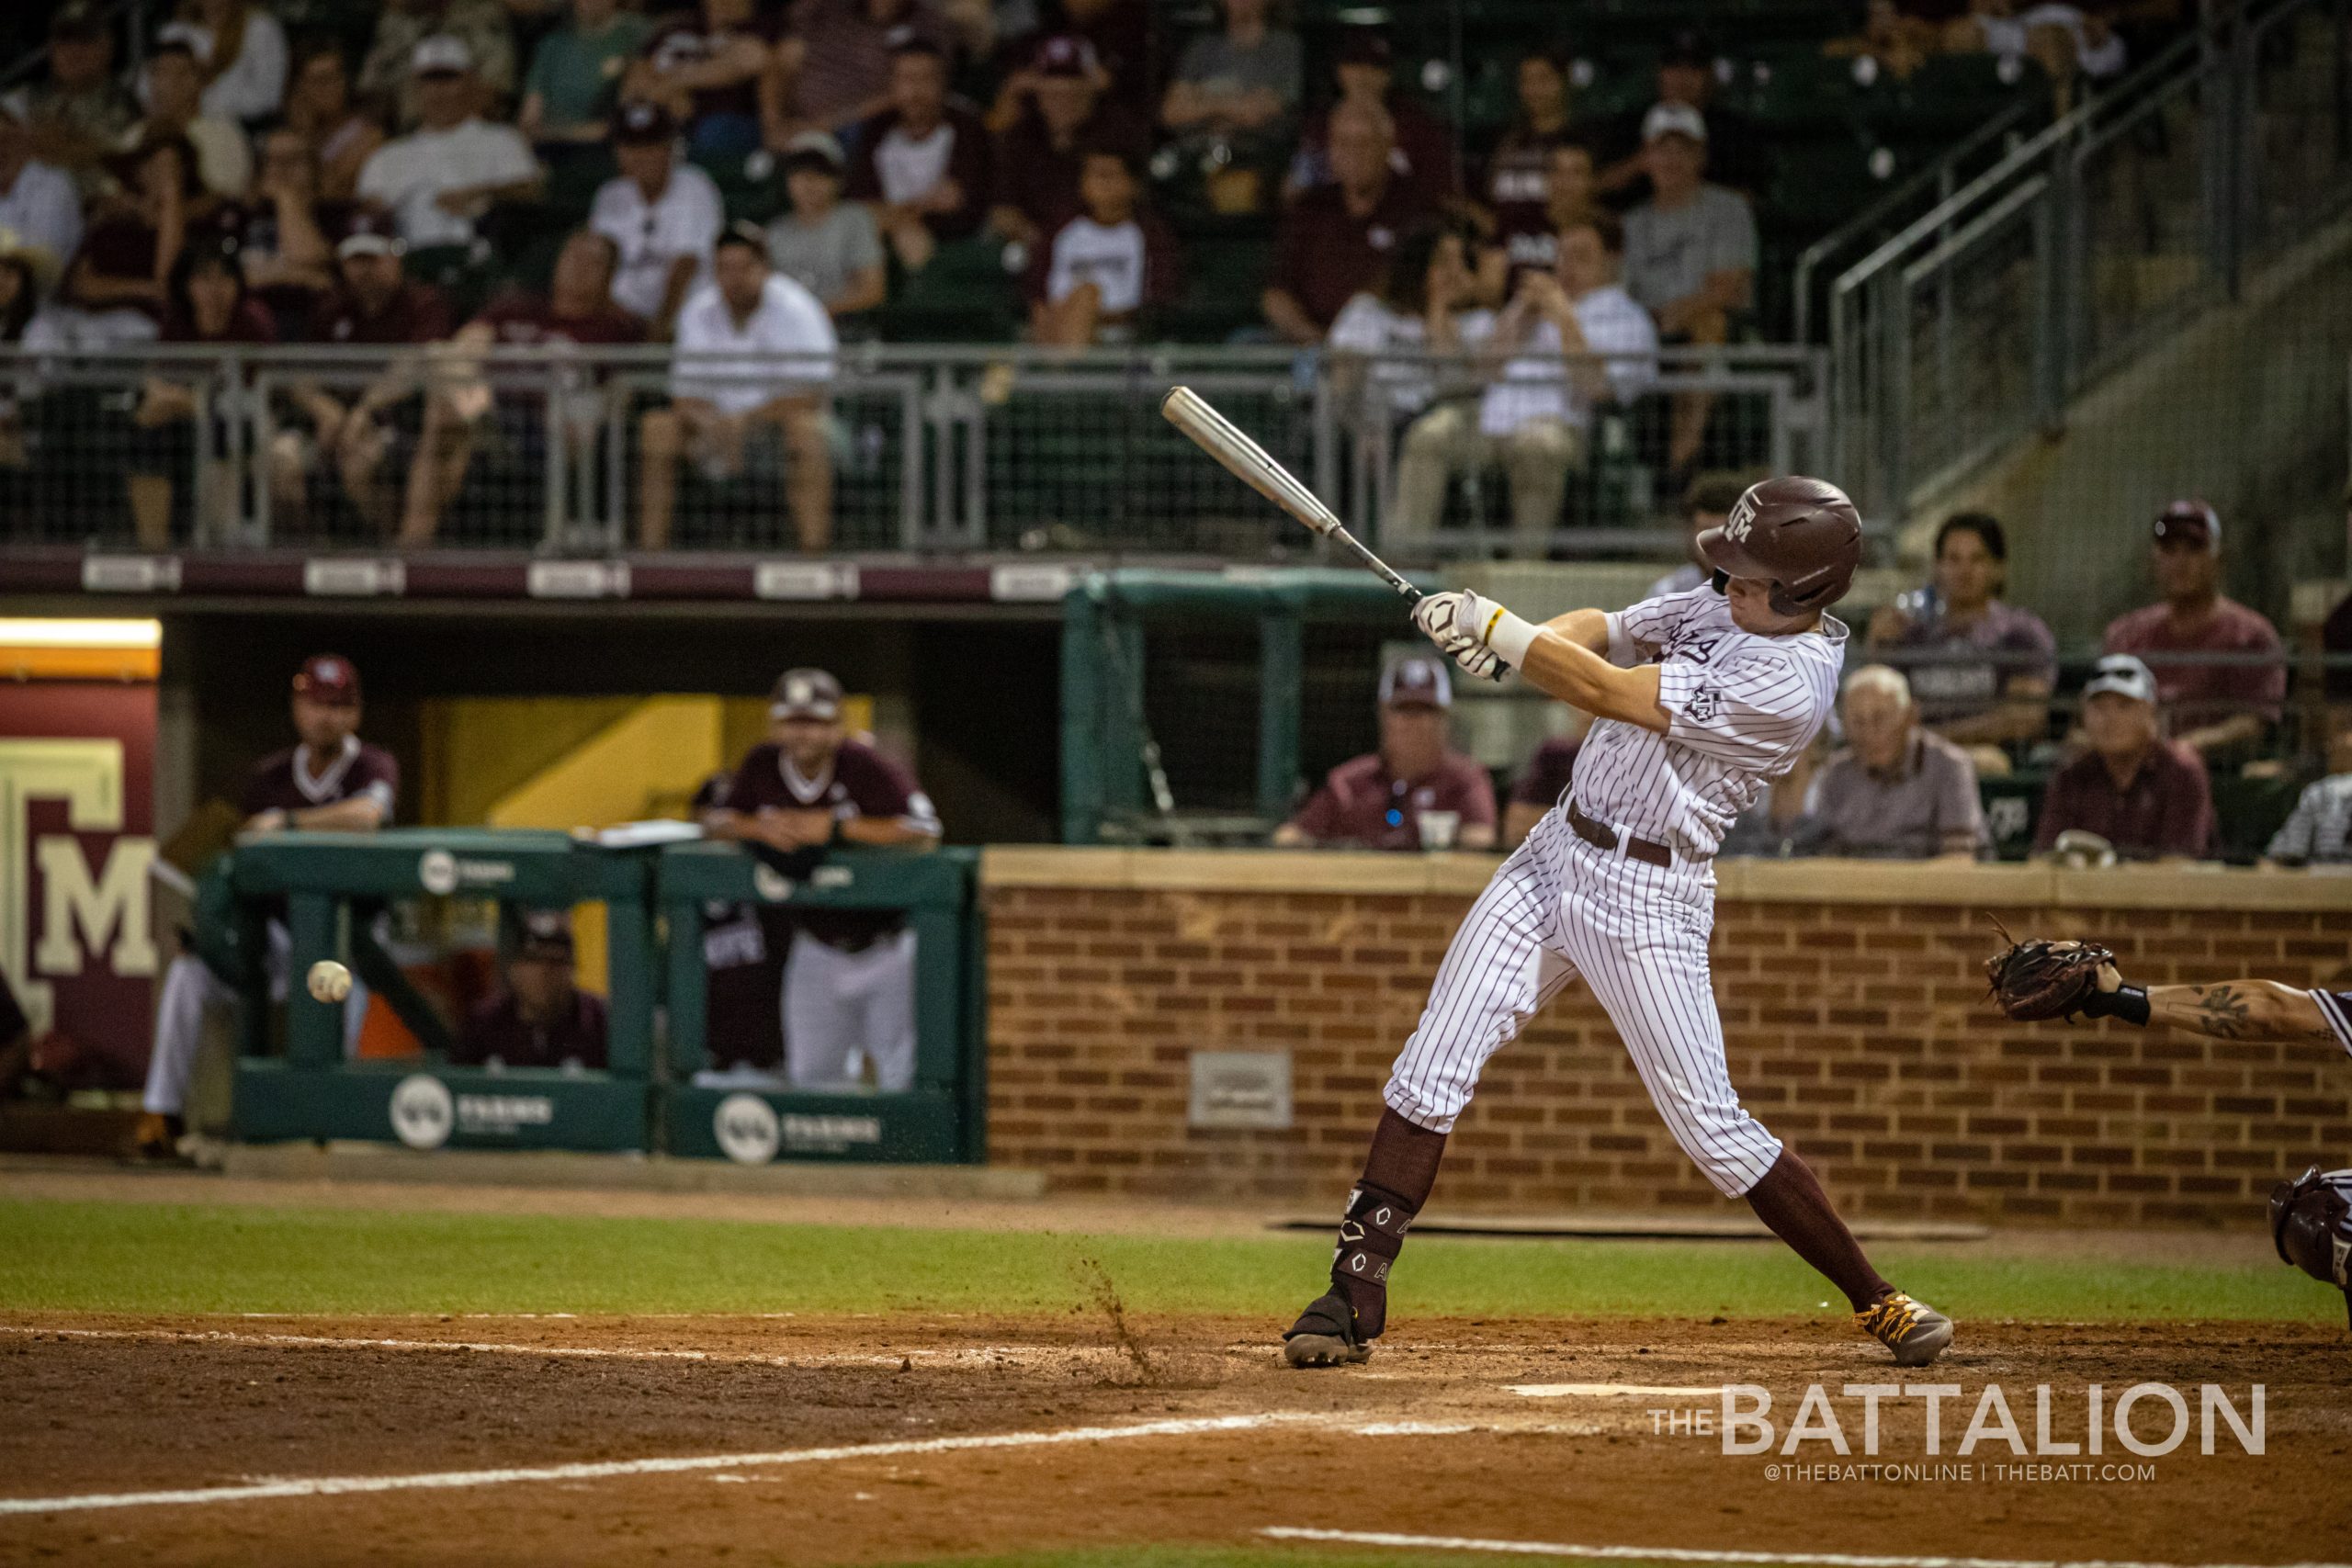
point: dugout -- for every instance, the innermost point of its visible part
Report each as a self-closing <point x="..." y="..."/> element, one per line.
<point x="940" y="1119"/>
<point x="332" y="893"/>
<point x="1269" y="678"/>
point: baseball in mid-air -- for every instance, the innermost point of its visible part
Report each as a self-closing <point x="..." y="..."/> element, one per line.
<point x="329" y="981"/>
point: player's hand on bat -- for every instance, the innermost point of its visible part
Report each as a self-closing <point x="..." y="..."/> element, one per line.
<point x="1451" y="621"/>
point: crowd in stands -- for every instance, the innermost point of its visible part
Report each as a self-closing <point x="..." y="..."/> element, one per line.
<point x="392" y="182"/>
<point x="1952" y="687"/>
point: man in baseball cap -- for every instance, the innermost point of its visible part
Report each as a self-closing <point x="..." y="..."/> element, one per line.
<point x="2221" y="710"/>
<point x="447" y="173"/>
<point x="330" y="782"/>
<point x="542" y="1017"/>
<point x="2146" y="796"/>
<point x="1377" y="801"/>
<point x="848" y="978"/>
<point x="661" y="213"/>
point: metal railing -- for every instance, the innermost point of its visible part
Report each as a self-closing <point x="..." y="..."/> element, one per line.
<point x="1982" y="319"/>
<point x="560" y="450"/>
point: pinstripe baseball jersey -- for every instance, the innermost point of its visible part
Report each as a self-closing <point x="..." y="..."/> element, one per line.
<point x="2336" y="1008"/>
<point x="1742" y="708"/>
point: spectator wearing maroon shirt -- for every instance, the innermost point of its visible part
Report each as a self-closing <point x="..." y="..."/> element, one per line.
<point x="128" y="253"/>
<point x="714" y="73"/>
<point x="2145" y="796"/>
<point x="1063" y="117"/>
<point x="375" y="303"/>
<point x="1541" y="785"/>
<point x="1376" y="801"/>
<point x="542" y="1017"/>
<point x="209" y="305"/>
<point x="849" y="983"/>
<point x="330" y="783"/>
<point x="287" y="232"/>
<point x="1335" y="239"/>
<point x="1518" y="185"/>
<point x="923" y="164"/>
<point x="2222" y="710"/>
<point x="1420" y="153"/>
<point x="578" y="308"/>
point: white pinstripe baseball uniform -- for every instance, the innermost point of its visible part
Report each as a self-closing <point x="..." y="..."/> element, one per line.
<point x="2335" y="1006"/>
<point x="1743" y="707"/>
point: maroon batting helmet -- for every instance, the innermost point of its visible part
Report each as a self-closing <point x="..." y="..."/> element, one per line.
<point x="1800" y="535"/>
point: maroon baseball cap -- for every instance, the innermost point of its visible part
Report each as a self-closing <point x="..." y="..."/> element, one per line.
<point x="1416" y="680"/>
<point x="546" y="934"/>
<point x="1365" y="46"/>
<point x="2189" y="523"/>
<point x="805" y="694"/>
<point x="328" y="678"/>
<point x="1064" y="55"/>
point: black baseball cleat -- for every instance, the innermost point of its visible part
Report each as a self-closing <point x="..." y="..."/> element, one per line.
<point x="1325" y="1335"/>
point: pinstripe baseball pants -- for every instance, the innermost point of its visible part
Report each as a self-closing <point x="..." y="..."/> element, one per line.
<point x="1558" y="908"/>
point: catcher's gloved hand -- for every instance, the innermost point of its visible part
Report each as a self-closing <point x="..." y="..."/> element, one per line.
<point x="1452" y="620"/>
<point x="2047" y="979"/>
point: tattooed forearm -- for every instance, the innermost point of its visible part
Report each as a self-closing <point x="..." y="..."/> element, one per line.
<point x="2238" y="1009"/>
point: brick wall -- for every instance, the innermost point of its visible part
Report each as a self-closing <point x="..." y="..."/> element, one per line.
<point x="1857" y="1031"/>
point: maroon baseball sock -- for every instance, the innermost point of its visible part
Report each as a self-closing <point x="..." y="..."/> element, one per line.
<point x="1789" y="1200"/>
<point x="1397" y="1175"/>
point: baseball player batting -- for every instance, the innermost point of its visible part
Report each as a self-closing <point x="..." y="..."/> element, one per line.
<point x="1697" y="699"/>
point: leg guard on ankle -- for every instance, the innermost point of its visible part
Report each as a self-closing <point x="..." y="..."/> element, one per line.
<point x="1372" y="1233"/>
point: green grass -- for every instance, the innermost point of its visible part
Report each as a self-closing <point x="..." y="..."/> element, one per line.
<point x="204" y="1257"/>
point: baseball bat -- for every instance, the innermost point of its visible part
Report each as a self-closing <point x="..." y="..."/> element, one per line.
<point x="1248" y="461"/>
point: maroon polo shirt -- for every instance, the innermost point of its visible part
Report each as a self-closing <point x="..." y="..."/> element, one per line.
<point x="860" y="782"/>
<point x="522" y="316"/>
<point x="2166" y="809"/>
<point x="1548" y="773"/>
<point x="2196" y="695"/>
<point x="292" y="779"/>
<point x="1325" y="255"/>
<point x="415" y="313"/>
<point x="497" y="1031"/>
<point x="1361" y="803"/>
<point x="1040" y="180"/>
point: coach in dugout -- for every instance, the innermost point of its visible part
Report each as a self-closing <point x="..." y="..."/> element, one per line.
<point x="849" y="983"/>
<point x="330" y="783"/>
<point x="542" y="1017"/>
<point x="1376" y="801"/>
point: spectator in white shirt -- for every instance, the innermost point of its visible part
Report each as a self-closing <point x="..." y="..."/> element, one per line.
<point x="242" y="48"/>
<point x="224" y="158"/>
<point x="40" y="208"/>
<point x="1569" y="340"/>
<point x="1689" y="256"/>
<point x="2319" y="830"/>
<point x="440" y="178"/>
<point x="1428" y="304"/>
<point x="753" y="356"/>
<point x="1106" y="264"/>
<point x="662" y="214"/>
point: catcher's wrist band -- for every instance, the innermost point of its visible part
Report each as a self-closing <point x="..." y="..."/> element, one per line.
<point x="2129" y="1003"/>
<point x="1509" y="637"/>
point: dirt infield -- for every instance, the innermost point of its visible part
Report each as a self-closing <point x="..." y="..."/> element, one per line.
<point x="998" y="1434"/>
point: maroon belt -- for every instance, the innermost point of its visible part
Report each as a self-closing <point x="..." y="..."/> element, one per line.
<point x="1601" y="836"/>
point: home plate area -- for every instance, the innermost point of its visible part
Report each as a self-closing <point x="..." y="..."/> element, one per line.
<point x="914" y="1437"/>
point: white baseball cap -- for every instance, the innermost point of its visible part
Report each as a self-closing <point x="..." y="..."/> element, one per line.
<point x="2124" y="675"/>
<point x="1416" y="679"/>
<point x="1673" y="120"/>
<point x="440" y="52"/>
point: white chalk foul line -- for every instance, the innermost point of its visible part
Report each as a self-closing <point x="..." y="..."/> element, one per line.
<point x="453" y="1480"/>
<point x="969" y="1354"/>
<point x="1687" y="1554"/>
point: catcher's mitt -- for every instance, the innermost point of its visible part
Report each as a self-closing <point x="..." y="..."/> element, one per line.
<point x="2044" y="979"/>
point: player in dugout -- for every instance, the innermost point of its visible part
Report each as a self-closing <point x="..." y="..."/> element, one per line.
<point x="1384" y="799"/>
<point x="849" y="983"/>
<point x="542" y="1017"/>
<point x="331" y="782"/>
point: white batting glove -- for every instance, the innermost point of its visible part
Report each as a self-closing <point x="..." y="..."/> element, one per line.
<point x="1451" y="620"/>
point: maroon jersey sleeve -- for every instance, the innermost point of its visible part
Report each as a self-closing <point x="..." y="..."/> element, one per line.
<point x="268" y="785"/>
<point x="1474" y="792"/>
<point x="757" y="783"/>
<point x="879" y="787"/>
<point x="1319" y="817"/>
<point x="374" y="774"/>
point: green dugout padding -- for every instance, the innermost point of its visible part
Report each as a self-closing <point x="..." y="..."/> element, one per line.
<point x="330" y="887"/>
<point x="942" y="1120"/>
